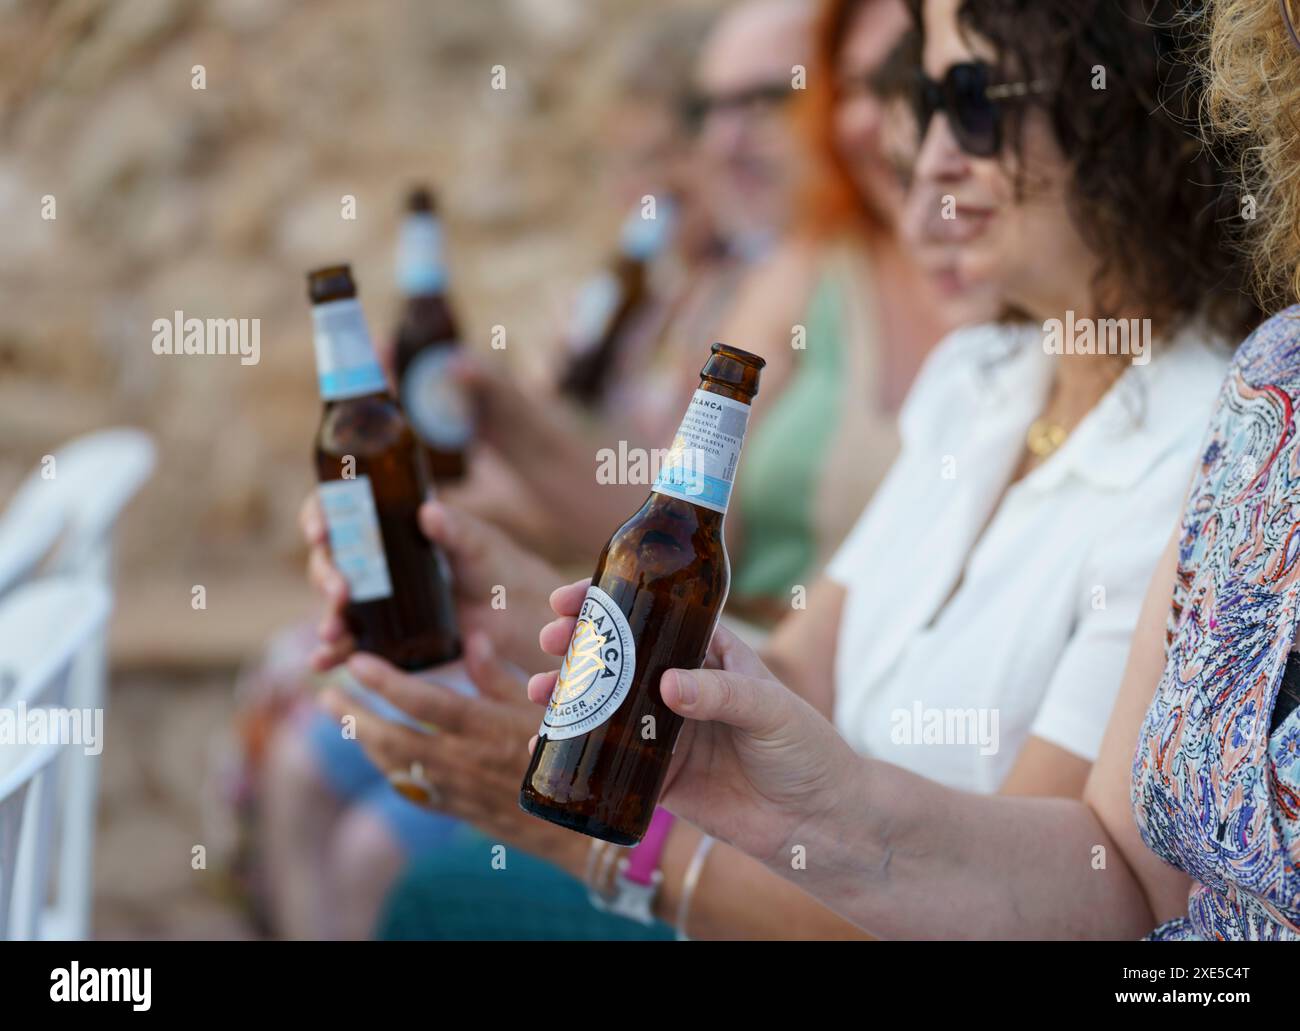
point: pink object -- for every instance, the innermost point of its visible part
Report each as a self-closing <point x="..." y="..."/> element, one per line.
<point x="643" y="860"/>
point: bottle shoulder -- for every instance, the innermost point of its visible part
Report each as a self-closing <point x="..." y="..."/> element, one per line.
<point x="667" y="536"/>
<point x="364" y="425"/>
<point x="426" y="321"/>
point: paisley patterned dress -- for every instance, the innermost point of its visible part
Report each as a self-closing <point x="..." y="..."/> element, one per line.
<point x="1216" y="778"/>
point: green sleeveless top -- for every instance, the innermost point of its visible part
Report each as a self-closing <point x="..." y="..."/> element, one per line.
<point x="814" y="458"/>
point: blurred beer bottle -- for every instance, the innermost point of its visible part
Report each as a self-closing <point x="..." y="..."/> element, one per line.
<point x="427" y="339"/>
<point x="659" y="587"/>
<point x="372" y="481"/>
<point x="609" y="304"/>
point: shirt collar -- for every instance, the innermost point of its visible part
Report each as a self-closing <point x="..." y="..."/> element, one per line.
<point x="1147" y="412"/>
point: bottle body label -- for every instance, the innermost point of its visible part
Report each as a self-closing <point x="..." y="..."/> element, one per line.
<point x="701" y="464"/>
<point x="345" y="358"/>
<point x="434" y="402"/>
<point x="356" y="543"/>
<point x="597" y="672"/>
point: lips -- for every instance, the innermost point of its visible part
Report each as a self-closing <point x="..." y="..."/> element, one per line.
<point x="968" y="224"/>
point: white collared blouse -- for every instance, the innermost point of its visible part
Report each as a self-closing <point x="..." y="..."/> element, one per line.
<point x="977" y="615"/>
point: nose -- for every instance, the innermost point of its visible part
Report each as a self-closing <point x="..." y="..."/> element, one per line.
<point x="940" y="159"/>
<point x="724" y="133"/>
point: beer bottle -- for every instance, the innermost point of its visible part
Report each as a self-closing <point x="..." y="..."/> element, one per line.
<point x="609" y="305"/>
<point x="660" y="584"/>
<point x="372" y="481"/>
<point x="427" y="338"/>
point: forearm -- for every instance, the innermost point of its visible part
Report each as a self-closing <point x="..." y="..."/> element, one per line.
<point x="801" y="650"/>
<point x="903" y="857"/>
<point x="736" y="897"/>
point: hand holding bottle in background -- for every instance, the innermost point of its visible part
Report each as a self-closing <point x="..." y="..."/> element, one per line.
<point x="372" y="483"/>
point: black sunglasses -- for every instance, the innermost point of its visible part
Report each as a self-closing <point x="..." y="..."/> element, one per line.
<point x="972" y="103"/>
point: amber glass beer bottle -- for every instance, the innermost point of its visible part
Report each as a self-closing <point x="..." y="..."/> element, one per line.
<point x="659" y="587"/>
<point x="610" y="305"/>
<point x="427" y="339"/>
<point x="372" y="481"/>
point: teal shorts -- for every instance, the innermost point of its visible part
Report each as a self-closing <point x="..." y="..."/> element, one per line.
<point x="457" y="893"/>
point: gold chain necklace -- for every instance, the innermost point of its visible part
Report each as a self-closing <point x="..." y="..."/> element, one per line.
<point x="1044" y="437"/>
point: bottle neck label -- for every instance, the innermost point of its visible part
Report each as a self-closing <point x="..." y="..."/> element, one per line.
<point x="700" y="467"/>
<point x="356" y="544"/>
<point x="597" y="672"/>
<point x="420" y="268"/>
<point x="595" y="306"/>
<point x="645" y="238"/>
<point x="345" y="359"/>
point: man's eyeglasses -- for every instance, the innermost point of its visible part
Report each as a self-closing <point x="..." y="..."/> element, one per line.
<point x="757" y="99"/>
<point x="973" y="104"/>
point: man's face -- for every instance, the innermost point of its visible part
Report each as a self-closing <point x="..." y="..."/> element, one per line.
<point x="745" y="79"/>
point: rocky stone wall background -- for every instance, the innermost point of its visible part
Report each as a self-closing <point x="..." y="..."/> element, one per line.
<point x="215" y="201"/>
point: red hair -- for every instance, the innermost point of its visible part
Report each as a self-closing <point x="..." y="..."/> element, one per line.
<point x="829" y="201"/>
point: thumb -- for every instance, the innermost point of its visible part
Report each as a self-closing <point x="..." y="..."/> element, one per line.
<point x="758" y="707"/>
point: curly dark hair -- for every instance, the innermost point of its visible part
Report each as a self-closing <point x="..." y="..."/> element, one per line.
<point x="1159" y="204"/>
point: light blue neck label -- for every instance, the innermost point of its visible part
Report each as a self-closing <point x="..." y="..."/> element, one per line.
<point x="345" y="359"/>
<point x="700" y="467"/>
<point x="420" y="268"/>
<point x="644" y="238"/>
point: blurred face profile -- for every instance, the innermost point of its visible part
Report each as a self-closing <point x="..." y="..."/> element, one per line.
<point x="864" y="132"/>
<point x="976" y="230"/>
<point x="746" y="143"/>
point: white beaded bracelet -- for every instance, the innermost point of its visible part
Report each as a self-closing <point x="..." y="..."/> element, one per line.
<point x="689" y="883"/>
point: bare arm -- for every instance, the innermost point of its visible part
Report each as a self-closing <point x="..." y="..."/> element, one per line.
<point x="921" y="860"/>
<point x="801" y="654"/>
<point x="737" y="897"/>
<point x="1043" y="768"/>
<point x="1107" y="790"/>
<point x="802" y="648"/>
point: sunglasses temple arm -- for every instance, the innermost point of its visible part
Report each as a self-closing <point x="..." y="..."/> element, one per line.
<point x="1289" y="22"/>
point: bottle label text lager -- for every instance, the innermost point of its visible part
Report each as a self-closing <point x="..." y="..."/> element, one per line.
<point x="597" y="671"/>
<point x="660" y="584"/>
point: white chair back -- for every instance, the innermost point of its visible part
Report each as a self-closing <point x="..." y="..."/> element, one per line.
<point x="66" y="512"/>
<point x="101" y="473"/>
<point x="98" y="475"/>
<point x="73" y="498"/>
<point x="22" y="768"/>
<point x="44" y="628"/>
<point x="29" y="526"/>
